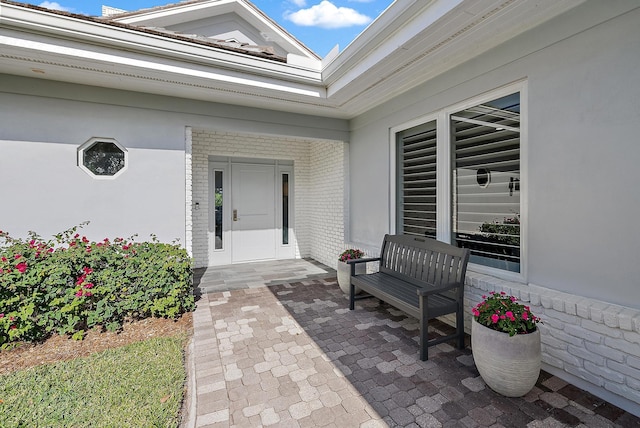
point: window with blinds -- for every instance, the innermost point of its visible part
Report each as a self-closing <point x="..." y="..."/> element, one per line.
<point x="416" y="205"/>
<point x="486" y="182"/>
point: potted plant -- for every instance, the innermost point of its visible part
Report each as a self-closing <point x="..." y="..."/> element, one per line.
<point x="505" y="341"/>
<point x="344" y="270"/>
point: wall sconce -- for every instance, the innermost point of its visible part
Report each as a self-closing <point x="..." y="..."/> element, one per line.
<point x="196" y="206"/>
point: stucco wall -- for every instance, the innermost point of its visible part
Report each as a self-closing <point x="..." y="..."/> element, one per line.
<point x="579" y="200"/>
<point x="582" y="110"/>
<point x="42" y="124"/>
<point x="47" y="192"/>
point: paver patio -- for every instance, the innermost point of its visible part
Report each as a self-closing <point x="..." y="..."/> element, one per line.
<point x="292" y="354"/>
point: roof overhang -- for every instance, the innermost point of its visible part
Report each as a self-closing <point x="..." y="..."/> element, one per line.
<point x="410" y="43"/>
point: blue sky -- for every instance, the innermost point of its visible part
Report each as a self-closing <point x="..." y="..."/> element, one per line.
<point x="319" y="24"/>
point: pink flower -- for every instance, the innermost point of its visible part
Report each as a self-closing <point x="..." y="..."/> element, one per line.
<point x="76" y="236"/>
<point x="78" y="293"/>
<point x="13" y="327"/>
<point x="495" y="318"/>
<point x="89" y="285"/>
<point x="475" y="312"/>
<point x="22" y="267"/>
<point x="125" y="247"/>
<point x="503" y="293"/>
<point x="17" y="256"/>
<point x="1" y="315"/>
<point x="87" y="270"/>
<point x="525" y="316"/>
<point x="88" y="293"/>
<point x="4" y="259"/>
<point x="509" y="315"/>
<point x="50" y="250"/>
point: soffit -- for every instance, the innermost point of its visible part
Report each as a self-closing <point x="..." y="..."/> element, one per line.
<point x="402" y="49"/>
<point x="424" y="40"/>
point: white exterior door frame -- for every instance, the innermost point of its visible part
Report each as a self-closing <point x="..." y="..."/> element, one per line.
<point x="221" y="239"/>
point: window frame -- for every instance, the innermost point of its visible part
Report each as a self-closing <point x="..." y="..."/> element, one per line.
<point x="444" y="156"/>
<point x="90" y="143"/>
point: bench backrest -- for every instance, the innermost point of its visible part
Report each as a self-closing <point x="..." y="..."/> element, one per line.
<point x="424" y="260"/>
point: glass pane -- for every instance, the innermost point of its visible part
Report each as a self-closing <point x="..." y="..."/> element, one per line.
<point x="416" y="181"/>
<point x="218" y="212"/>
<point x="486" y="182"/>
<point x="285" y="209"/>
<point x="103" y="158"/>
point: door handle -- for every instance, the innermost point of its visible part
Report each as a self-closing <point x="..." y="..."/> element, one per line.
<point x="235" y="215"/>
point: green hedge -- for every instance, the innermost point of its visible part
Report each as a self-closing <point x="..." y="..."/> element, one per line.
<point x="69" y="284"/>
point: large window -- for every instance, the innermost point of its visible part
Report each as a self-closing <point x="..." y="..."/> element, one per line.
<point x="486" y="182"/>
<point x="458" y="179"/>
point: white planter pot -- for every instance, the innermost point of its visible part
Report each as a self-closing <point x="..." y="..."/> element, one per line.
<point x="510" y="365"/>
<point x="344" y="275"/>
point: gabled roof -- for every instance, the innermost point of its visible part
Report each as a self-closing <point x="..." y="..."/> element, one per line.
<point x="184" y="12"/>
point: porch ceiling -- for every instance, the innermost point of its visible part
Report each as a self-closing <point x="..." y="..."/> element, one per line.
<point x="410" y="43"/>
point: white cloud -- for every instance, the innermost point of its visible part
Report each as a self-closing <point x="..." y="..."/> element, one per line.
<point x="299" y="3"/>
<point x="327" y="15"/>
<point x="55" y="6"/>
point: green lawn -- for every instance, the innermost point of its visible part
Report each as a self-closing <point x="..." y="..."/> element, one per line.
<point x="139" y="385"/>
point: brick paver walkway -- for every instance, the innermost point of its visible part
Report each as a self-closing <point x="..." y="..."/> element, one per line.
<point x="292" y="354"/>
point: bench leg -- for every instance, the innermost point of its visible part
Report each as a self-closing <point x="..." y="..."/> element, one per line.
<point x="424" y="330"/>
<point x="352" y="296"/>
<point x="460" y="326"/>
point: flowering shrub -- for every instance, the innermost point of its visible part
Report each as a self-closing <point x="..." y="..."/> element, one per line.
<point x="350" y="254"/>
<point x="70" y="284"/>
<point x="502" y="313"/>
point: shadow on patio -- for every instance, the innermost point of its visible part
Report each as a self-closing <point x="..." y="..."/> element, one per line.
<point x="292" y="354"/>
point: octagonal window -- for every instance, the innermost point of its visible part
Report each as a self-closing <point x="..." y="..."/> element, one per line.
<point x="102" y="157"/>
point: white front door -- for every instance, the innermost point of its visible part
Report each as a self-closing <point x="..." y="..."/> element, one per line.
<point x="253" y="204"/>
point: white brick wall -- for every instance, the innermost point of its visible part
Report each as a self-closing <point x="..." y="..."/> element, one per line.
<point x="188" y="227"/>
<point x="319" y="174"/>
<point x="327" y="201"/>
<point x="593" y="344"/>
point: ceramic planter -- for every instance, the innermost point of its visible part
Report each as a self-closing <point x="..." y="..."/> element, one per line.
<point x="510" y="365"/>
<point x="344" y="275"/>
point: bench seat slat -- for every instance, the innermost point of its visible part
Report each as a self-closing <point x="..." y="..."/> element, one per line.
<point x="404" y="294"/>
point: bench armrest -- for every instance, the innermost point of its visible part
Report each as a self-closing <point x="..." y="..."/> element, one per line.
<point x="352" y="263"/>
<point x="365" y="260"/>
<point x="439" y="289"/>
